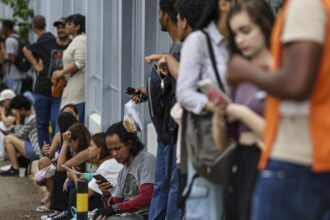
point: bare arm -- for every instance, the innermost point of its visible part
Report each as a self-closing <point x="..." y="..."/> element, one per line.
<point x="170" y="64"/>
<point x="248" y="117"/>
<point x="294" y="80"/>
<point x="7" y="121"/>
<point x="55" y="143"/>
<point x="31" y="58"/>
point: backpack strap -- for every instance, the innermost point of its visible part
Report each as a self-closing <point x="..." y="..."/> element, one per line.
<point x="213" y="61"/>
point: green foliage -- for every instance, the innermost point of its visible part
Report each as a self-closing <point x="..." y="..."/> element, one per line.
<point x="22" y="16"/>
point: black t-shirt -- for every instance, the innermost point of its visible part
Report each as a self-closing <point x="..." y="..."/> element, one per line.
<point x="50" y="52"/>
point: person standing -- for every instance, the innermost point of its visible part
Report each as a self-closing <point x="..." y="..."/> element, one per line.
<point x="74" y="59"/>
<point x="45" y="55"/>
<point x="295" y="177"/>
<point x="13" y="77"/>
<point x="205" y="198"/>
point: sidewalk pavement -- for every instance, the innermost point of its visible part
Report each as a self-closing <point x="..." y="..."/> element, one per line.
<point x="19" y="197"/>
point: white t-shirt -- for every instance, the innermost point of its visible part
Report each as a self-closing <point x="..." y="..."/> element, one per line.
<point x="110" y="170"/>
<point x="305" y="21"/>
<point x="12" y="73"/>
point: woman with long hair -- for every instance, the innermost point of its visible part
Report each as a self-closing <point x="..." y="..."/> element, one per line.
<point x="249" y="23"/>
<point x="205" y="200"/>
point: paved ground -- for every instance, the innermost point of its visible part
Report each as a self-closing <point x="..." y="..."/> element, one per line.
<point x="18" y="198"/>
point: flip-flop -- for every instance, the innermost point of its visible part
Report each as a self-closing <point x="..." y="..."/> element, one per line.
<point x="44" y="201"/>
<point x="43" y="208"/>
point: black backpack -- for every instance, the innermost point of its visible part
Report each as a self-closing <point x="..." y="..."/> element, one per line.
<point x="161" y="93"/>
<point x="21" y="62"/>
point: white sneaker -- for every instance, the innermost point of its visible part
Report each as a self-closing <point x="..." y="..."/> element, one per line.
<point x="5" y="168"/>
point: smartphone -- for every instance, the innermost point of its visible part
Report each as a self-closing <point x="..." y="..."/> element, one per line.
<point x="213" y="93"/>
<point x="101" y="178"/>
<point x="68" y="168"/>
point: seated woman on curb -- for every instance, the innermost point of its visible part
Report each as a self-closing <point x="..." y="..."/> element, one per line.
<point x="108" y="168"/>
<point x="47" y="164"/>
<point x="25" y="139"/>
<point x="132" y="196"/>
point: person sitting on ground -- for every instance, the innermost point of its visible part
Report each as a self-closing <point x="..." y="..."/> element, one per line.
<point x="53" y="150"/>
<point x="25" y="139"/>
<point x="108" y="168"/>
<point x="7" y="118"/>
<point x="134" y="188"/>
<point x="44" y="177"/>
<point x="74" y="155"/>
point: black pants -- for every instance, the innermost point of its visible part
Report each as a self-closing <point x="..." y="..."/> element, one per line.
<point x="240" y="182"/>
<point x="59" y="200"/>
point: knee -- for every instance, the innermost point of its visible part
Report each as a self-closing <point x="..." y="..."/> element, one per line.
<point x="8" y="139"/>
<point x="43" y="162"/>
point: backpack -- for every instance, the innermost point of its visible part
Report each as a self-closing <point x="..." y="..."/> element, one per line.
<point x="161" y="94"/>
<point x="21" y="62"/>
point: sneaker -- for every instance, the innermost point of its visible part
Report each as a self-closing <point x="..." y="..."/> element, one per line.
<point x="5" y="167"/>
<point x="10" y="172"/>
<point x="51" y="215"/>
<point x="61" y="216"/>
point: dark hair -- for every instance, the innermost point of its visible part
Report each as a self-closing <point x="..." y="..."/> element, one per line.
<point x="81" y="134"/>
<point x="9" y="24"/>
<point x="189" y="9"/>
<point x="168" y="6"/>
<point x="99" y="140"/>
<point x="74" y="107"/>
<point x="77" y="19"/>
<point x="260" y="13"/>
<point x="20" y="102"/>
<point x="129" y="139"/>
<point x="39" y="22"/>
<point x="65" y="120"/>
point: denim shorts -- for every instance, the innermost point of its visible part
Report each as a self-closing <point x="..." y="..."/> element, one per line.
<point x="30" y="154"/>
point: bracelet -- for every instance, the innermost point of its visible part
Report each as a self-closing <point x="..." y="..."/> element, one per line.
<point x="116" y="208"/>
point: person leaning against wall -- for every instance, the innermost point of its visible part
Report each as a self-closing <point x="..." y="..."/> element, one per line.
<point x="74" y="59"/>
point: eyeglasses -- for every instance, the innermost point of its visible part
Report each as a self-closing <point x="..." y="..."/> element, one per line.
<point x="115" y="149"/>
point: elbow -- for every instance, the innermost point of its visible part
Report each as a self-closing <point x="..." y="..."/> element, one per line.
<point x="298" y="93"/>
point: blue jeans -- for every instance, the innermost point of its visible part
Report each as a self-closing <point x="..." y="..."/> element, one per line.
<point x="81" y="112"/>
<point x="47" y="109"/>
<point x="205" y="201"/>
<point x="163" y="203"/>
<point x="287" y="191"/>
<point x="14" y="84"/>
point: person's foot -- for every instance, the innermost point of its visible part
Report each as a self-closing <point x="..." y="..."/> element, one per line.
<point x="5" y="167"/>
<point x="10" y="172"/>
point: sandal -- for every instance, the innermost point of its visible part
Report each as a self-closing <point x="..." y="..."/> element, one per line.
<point x="43" y="208"/>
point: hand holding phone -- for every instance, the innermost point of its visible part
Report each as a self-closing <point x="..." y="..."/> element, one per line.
<point x="100" y="178"/>
<point x="213" y="93"/>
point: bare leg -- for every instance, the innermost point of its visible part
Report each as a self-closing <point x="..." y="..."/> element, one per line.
<point x="12" y="145"/>
<point x="49" y="183"/>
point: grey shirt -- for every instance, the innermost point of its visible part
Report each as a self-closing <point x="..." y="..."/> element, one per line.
<point x="196" y="65"/>
<point x="12" y="73"/>
<point x="130" y="178"/>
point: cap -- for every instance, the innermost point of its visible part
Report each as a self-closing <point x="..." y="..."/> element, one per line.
<point x="7" y="94"/>
<point x="59" y="21"/>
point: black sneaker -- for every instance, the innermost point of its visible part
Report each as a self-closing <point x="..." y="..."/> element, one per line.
<point x="10" y="172"/>
<point x="61" y="216"/>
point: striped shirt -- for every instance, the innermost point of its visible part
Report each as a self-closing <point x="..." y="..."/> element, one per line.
<point x="196" y="65"/>
<point x="29" y="131"/>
